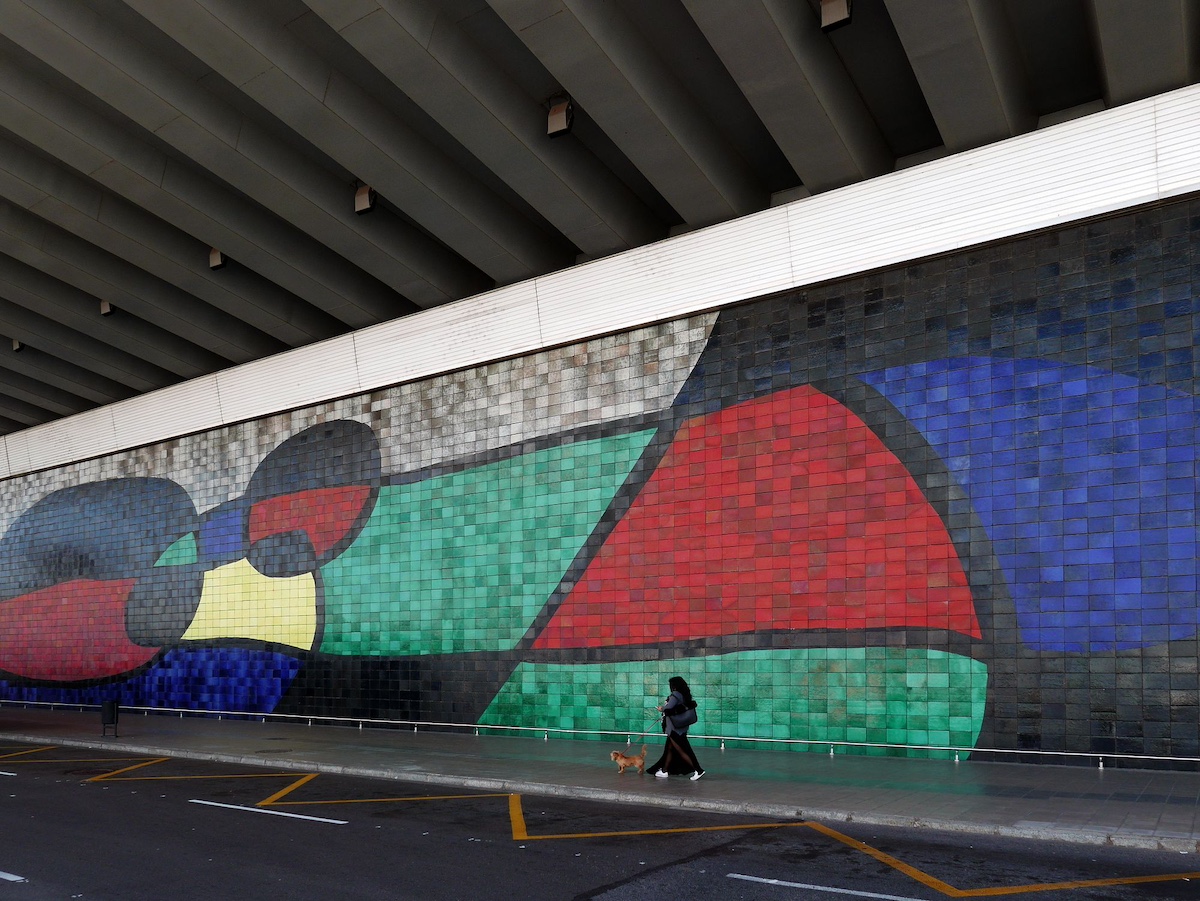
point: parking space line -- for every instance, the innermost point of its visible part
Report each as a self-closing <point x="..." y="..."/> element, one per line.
<point x="995" y="891"/>
<point x="520" y="832"/>
<point x="274" y="813"/>
<point x="25" y="751"/>
<point x="384" y="800"/>
<point x="274" y="800"/>
<point x="137" y="766"/>
<point x="1078" y="884"/>
<point x="821" y="888"/>
<point x="12" y="877"/>
<point x="912" y="872"/>
<point x="303" y="780"/>
<point x="194" y="777"/>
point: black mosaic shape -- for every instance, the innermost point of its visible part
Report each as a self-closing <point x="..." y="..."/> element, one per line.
<point x="112" y="529"/>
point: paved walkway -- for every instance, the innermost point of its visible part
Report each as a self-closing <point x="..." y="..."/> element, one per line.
<point x="1131" y="808"/>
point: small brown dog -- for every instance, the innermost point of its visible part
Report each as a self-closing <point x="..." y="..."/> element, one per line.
<point x="628" y="760"/>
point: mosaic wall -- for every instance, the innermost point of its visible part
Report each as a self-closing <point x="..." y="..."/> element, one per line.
<point x="952" y="505"/>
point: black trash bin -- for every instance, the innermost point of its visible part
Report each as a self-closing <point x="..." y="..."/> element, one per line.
<point x="108" y="718"/>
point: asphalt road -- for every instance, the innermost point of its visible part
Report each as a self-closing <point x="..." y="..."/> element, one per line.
<point x="82" y="824"/>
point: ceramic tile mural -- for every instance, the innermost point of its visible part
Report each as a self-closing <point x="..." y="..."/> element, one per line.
<point x="950" y="505"/>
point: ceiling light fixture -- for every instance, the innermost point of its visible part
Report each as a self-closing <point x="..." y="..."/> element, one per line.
<point x="834" y="13"/>
<point x="364" y="199"/>
<point x="561" y="117"/>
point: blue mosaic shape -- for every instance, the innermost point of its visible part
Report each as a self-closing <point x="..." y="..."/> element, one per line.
<point x="1085" y="481"/>
<point x="202" y="679"/>
<point x="222" y="534"/>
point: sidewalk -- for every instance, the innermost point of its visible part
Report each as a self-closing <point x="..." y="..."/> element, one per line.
<point x="1130" y="808"/>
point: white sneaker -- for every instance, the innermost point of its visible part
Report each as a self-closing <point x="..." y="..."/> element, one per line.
<point x="660" y="775"/>
<point x="696" y="775"/>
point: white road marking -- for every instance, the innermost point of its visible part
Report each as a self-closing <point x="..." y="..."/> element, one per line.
<point x="274" y="813"/>
<point x="12" y="877"/>
<point x="6" y="773"/>
<point x="822" y="888"/>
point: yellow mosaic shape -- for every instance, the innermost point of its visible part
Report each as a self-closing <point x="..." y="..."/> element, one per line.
<point x="240" y="602"/>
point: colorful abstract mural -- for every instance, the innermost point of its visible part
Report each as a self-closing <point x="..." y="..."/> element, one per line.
<point x="951" y="506"/>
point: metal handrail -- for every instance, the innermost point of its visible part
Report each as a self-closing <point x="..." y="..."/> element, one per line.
<point x="547" y="731"/>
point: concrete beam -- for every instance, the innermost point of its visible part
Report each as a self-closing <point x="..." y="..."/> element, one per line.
<point x="1146" y="48"/>
<point x="21" y="411"/>
<point x="55" y="401"/>
<point x="176" y="317"/>
<point x="643" y="107"/>
<point x="19" y="320"/>
<point x="78" y="206"/>
<point x="965" y="57"/>
<point x="60" y="377"/>
<point x="123" y="331"/>
<point x="427" y="56"/>
<point x="795" y="81"/>
<point x="177" y="191"/>
<point x="326" y="107"/>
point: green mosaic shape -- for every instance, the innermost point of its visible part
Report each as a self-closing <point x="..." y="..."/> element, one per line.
<point x="181" y="553"/>
<point x="877" y="696"/>
<point x="465" y="561"/>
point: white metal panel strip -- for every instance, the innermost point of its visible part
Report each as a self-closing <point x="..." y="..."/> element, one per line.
<point x="1090" y="166"/>
<point x="501" y="323"/>
<point x="1178" y="141"/>
<point x="78" y="437"/>
<point x="298" y="378"/>
<point x="170" y="410"/>
<point x="726" y="263"/>
<point x="1016" y="186"/>
<point x="16" y="454"/>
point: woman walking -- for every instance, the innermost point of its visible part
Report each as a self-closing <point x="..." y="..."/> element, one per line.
<point x="678" y="710"/>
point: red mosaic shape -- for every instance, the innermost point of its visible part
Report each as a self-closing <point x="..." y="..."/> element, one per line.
<point x="783" y="512"/>
<point x="70" y="632"/>
<point x="326" y="515"/>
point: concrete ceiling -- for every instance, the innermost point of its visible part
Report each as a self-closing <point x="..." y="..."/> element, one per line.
<point x="137" y="135"/>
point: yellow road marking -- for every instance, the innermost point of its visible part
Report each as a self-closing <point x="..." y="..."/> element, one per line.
<point x="136" y="766"/>
<point x="681" y="829"/>
<point x="516" y="816"/>
<point x="274" y="800"/>
<point x="26" y="751"/>
<point x="520" y="832"/>
<point x="79" y="759"/>
<point x="307" y="777"/>
<point x="946" y="889"/>
<point x="910" y="871"/>
<point x="186" y="778"/>
<point x="382" y="800"/>
<point x="1066" y="886"/>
